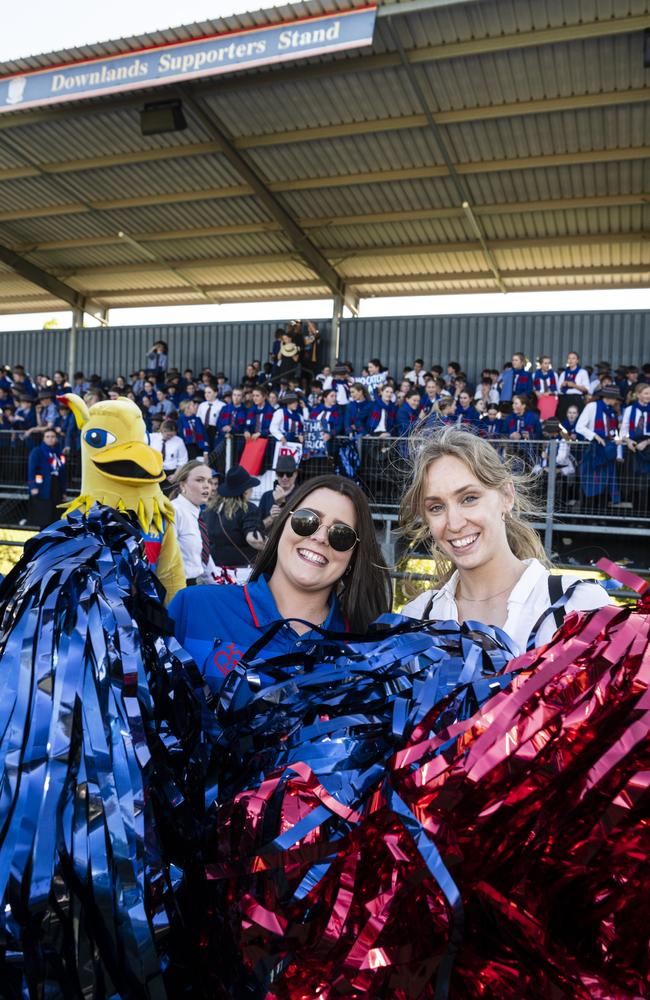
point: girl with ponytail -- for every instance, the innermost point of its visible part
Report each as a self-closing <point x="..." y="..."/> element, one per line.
<point x="466" y="501"/>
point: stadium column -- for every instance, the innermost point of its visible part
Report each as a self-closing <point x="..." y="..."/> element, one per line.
<point x="76" y="322"/>
<point x="335" y="344"/>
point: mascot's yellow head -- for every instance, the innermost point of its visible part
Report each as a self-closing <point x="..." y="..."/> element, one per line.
<point x="118" y="468"/>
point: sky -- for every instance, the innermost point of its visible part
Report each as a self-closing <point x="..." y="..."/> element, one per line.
<point x="37" y="26"/>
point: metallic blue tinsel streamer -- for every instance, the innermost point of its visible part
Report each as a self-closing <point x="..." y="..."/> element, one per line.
<point x="104" y="756"/>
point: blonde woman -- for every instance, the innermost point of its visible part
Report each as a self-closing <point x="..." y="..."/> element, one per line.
<point x="191" y="491"/>
<point x="235" y="526"/>
<point x="490" y="564"/>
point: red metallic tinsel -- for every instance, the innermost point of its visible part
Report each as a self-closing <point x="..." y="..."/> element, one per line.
<point x="538" y="807"/>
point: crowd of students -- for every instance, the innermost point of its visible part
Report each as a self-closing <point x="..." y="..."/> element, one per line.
<point x="191" y="415"/>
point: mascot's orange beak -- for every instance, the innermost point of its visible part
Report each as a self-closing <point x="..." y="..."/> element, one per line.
<point x="133" y="462"/>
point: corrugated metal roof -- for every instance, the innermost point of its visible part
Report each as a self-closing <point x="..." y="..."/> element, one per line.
<point x="542" y="108"/>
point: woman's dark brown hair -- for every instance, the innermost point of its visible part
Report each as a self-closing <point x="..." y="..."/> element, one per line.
<point x="364" y="591"/>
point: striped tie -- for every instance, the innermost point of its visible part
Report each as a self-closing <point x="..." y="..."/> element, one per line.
<point x="205" y="541"/>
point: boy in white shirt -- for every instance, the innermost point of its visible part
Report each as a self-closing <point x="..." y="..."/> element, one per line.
<point x="171" y="447"/>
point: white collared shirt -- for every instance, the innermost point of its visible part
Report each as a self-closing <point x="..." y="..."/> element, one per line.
<point x="188" y="533"/>
<point x="581" y="378"/>
<point x="174" y="451"/>
<point x="209" y="412"/>
<point x="528" y="599"/>
<point x="417" y="378"/>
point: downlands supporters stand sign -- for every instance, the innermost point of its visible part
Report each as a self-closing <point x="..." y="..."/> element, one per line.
<point x="189" y="60"/>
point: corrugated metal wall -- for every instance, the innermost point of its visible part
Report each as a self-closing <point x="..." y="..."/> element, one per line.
<point x="474" y="341"/>
<point x="478" y="342"/>
<point x="221" y="346"/>
<point x="38" y="350"/>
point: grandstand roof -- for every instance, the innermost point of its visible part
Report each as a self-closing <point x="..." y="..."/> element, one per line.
<point x="476" y="146"/>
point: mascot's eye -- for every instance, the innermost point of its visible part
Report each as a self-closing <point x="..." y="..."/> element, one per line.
<point x="98" y="438"/>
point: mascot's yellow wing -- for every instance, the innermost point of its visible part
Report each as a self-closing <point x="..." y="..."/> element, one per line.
<point x="170" y="569"/>
<point x="120" y="470"/>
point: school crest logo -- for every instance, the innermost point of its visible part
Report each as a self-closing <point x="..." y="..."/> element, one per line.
<point x="16" y="90"/>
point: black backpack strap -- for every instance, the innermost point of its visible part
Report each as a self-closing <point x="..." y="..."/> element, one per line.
<point x="558" y="597"/>
<point x="428" y="606"/>
<point x="555" y="592"/>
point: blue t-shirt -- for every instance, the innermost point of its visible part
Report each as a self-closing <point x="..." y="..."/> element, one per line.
<point x="218" y="624"/>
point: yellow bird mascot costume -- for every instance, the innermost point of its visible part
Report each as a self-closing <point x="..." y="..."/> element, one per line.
<point x="119" y="470"/>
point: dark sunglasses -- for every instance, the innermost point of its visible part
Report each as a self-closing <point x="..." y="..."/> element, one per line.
<point x="306" y="522"/>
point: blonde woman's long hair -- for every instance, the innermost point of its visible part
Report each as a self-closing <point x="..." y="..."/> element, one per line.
<point x="492" y="471"/>
<point x="228" y="505"/>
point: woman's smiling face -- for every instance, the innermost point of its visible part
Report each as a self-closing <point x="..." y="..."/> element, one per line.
<point x="310" y="563"/>
<point x="465" y="518"/>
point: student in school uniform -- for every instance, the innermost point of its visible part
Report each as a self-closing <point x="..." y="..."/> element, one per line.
<point x="382" y="421"/>
<point x="330" y="416"/>
<point x="635" y="433"/>
<point x="522" y="380"/>
<point x="599" y="424"/>
<point x="466" y="412"/>
<point x="192" y="431"/>
<point x="46" y="479"/>
<point x="232" y="421"/>
<point x="490" y="423"/>
<point x="545" y="380"/>
<point x="171" y="447"/>
<point x="341" y="383"/>
<point x="286" y="424"/>
<point x="573" y="384"/>
<point x="357" y="411"/>
<point x="523" y="424"/>
<point x="258" y="421"/>
<point x="208" y="411"/>
<point x="408" y="414"/>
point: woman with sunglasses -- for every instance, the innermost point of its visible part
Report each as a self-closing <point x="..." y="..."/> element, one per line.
<point x="321" y="566"/>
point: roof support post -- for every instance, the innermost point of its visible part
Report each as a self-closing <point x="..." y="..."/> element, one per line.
<point x="335" y="335"/>
<point x="76" y="322"/>
<point x="299" y="238"/>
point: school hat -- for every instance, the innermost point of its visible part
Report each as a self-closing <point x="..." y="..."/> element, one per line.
<point x="286" y="463"/>
<point x="289" y="397"/>
<point x="237" y="481"/>
<point x="609" y="392"/>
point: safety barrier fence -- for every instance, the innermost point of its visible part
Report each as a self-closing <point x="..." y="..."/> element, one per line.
<point x="578" y="486"/>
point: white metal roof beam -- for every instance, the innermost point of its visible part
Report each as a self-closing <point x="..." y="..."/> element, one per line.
<point x="359" y="280"/>
<point x="360" y="253"/>
<point x="48" y="282"/>
<point x="511" y="109"/>
<point x="299" y="238"/>
<point x="544" y="161"/>
<point x="343" y="221"/>
<point x="453" y="116"/>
